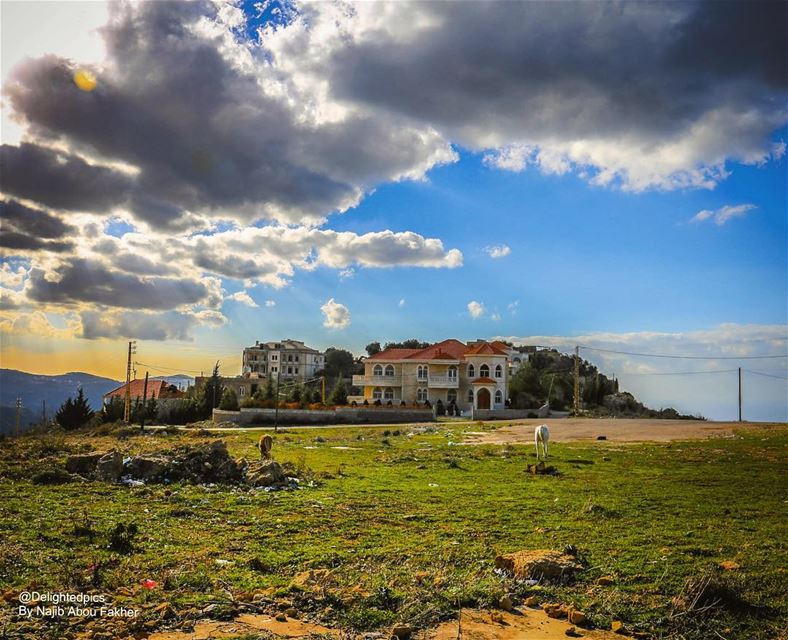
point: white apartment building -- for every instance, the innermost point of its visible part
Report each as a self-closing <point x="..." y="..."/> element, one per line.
<point x="288" y="359"/>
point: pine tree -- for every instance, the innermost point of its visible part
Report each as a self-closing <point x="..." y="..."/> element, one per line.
<point x="75" y="413"/>
<point x="339" y="394"/>
<point x="212" y="393"/>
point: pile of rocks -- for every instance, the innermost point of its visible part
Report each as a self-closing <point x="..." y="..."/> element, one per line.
<point x="543" y="564"/>
<point x="202" y="464"/>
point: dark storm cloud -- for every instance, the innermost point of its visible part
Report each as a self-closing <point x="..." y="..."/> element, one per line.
<point x="32" y="221"/>
<point x="82" y="280"/>
<point x="60" y="180"/>
<point x="203" y="135"/>
<point x="19" y="241"/>
<point x="504" y="71"/>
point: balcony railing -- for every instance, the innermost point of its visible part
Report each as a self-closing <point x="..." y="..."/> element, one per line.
<point x="377" y="381"/>
<point x="444" y="382"/>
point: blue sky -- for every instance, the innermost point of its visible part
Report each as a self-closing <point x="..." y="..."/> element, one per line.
<point x="347" y="173"/>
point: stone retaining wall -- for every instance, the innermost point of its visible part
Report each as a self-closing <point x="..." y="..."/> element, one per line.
<point x="340" y="415"/>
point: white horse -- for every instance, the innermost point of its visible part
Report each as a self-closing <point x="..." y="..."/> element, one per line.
<point x="541" y="434"/>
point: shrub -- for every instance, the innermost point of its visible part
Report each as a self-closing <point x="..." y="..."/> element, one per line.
<point x="229" y="400"/>
<point x="121" y="538"/>
<point x="440" y="410"/>
<point x="339" y="394"/>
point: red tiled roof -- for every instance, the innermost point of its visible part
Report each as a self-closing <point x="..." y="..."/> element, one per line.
<point x="155" y="389"/>
<point x="486" y="348"/>
<point x="483" y="381"/>
<point x="450" y="349"/>
<point x="393" y="354"/>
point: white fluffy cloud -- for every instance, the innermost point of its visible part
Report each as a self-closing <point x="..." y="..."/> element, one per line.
<point x="244" y="298"/>
<point x="498" y="251"/>
<point x="476" y="309"/>
<point x="723" y="214"/>
<point x="335" y="315"/>
<point x="270" y="303"/>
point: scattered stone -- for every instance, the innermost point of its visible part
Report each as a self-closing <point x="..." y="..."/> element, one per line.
<point x="576" y="617"/>
<point x="540" y="469"/>
<point x="291" y="612"/>
<point x="109" y="467"/>
<point x="618" y="627"/>
<point x="281" y="617"/>
<point x="572" y="632"/>
<point x="531" y="601"/>
<point x="506" y="603"/>
<point x="402" y="631"/>
<point x="266" y="473"/>
<point x="729" y="565"/>
<point x="606" y="458"/>
<point x="605" y="581"/>
<point x="148" y="468"/>
<point x="540" y="564"/>
<point x="554" y="610"/>
<point x="601" y="437"/>
<point x="83" y="464"/>
<point x="496" y="617"/>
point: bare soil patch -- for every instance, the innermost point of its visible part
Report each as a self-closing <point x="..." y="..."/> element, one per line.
<point x="615" y="430"/>
<point x="533" y="624"/>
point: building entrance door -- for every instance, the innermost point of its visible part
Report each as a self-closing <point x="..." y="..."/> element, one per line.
<point x="483" y="399"/>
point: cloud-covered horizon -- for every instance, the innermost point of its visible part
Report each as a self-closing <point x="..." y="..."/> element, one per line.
<point x="229" y="157"/>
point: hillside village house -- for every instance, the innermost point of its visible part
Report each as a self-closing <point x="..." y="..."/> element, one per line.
<point x="159" y="389"/>
<point x="473" y="375"/>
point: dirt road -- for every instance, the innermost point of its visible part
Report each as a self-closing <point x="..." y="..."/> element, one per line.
<point x="615" y="430"/>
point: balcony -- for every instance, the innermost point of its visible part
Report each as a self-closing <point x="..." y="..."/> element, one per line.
<point x="377" y="381"/>
<point x="443" y="382"/>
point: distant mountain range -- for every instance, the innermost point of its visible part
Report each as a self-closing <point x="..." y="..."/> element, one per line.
<point x="35" y="389"/>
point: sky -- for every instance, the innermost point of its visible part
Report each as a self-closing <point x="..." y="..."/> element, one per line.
<point x="198" y="176"/>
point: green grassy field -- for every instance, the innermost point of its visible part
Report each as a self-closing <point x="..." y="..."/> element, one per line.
<point x="409" y="528"/>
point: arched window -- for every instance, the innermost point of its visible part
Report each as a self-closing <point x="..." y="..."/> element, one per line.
<point x="452" y="373"/>
<point x="517" y="360"/>
<point x="390" y="370"/>
<point x="421" y="372"/>
<point x="242" y="391"/>
<point x="484" y="371"/>
<point x="422" y="395"/>
<point x="388" y="394"/>
<point x="470" y="396"/>
<point x="471" y="371"/>
<point x="377" y="394"/>
<point x="498" y="397"/>
<point x="498" y="371"/>
<point x="451" y="396"/>
<point x="377" y="370"/>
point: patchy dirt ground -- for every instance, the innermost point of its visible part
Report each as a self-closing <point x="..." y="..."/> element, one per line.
<point x="533" y="624"/>
<point x="473" y="625"/>
<point x="615" y="430"/>
<point x="248" y="624"/>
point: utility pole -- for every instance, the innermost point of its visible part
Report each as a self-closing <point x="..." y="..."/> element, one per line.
<point x="18" y="412"/>
<point x="127" y="404"/>
<point x="739" y="394"/>
<point x="577" y="380"/>
<point x="323" y="388"/>
<point x="144" y="402"/>
<point x="276" y="400"/>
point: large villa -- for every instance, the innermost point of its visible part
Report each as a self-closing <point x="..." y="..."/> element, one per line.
<point x="473" y="375"/>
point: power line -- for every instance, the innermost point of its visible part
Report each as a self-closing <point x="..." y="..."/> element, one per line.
<point x="768" y="375"/>
<point x="662" y="355"/>
<point x="680" y="373"/>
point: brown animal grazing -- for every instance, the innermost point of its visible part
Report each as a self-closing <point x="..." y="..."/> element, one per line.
<point x="265" y="445"/>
